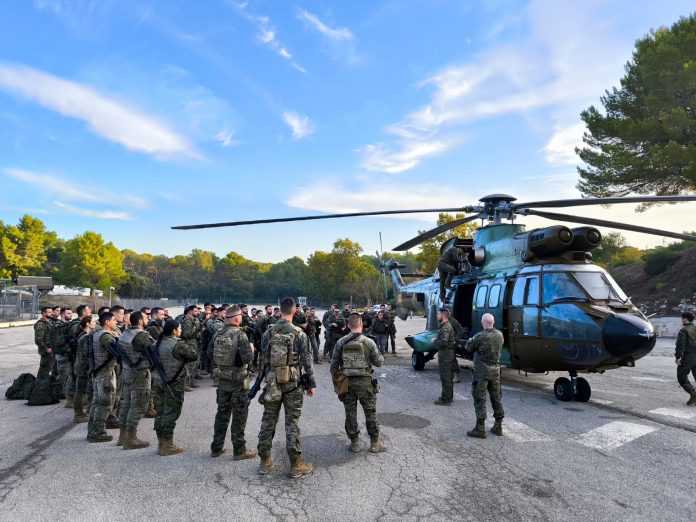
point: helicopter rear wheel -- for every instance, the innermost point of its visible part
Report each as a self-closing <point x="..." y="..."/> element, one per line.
<point x="563" y="389"/>
<point x="583" y="390"/>
<point x="418" y="360"/>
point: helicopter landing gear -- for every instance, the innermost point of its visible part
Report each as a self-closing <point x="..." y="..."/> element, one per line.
<point x="418" y="359"/>
<point x="574" y="388"/>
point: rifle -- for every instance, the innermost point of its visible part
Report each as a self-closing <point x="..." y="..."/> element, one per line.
<point x="257" y="383"/>
<point x="90" y="353"/>
<point x="156" y="364"/>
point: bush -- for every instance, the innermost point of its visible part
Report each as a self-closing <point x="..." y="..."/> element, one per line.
<point x="659" y="261"/>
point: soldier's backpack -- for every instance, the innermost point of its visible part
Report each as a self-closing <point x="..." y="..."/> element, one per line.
<point x="21" y="388"/>
<point x="280" y="354"/>
<point x="46" y="390"/>
<point x="58" y="334"/>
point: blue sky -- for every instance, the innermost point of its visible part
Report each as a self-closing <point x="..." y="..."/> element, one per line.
<point x="126" y="117"/>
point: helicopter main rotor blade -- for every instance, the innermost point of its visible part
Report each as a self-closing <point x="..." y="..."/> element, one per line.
<point x="556" y="203"/>
<point x="610" y="224"/>
<point x="326" y="216"/>
<point x="434" y="232"/>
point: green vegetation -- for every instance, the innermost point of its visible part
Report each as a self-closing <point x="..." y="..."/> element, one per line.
<point x="645" y="141"/>
<point x="430" y="249"/>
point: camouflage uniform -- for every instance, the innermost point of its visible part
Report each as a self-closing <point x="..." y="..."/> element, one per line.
<point x="486" y="347"/>
<point x="154" y="328"/>
<point x="333" y="334"/>
<point x="103" y="384"/>
<point x="189" y="334"/>
<point x="686" y="351"/>
<point x="291" y="394"/>
<point x="359" y="383"/>
<point x="232" y="353"/>
<point x="445" y="356"/>
<point x="390" y="318"/>
<point x="380" y="329"/>
<point x="311" y="332"/>
<point x="136" y="380"/>
<point x="450" y="264"/>
<point x="83" y="377"/>
<point x="459" y="333"/>
<point x="42" y="328"/>
<point x="174" y="355"/>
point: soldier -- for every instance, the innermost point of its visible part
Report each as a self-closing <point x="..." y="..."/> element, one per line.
<point x="174" y="354"/>
<point x="73" y="332"/>
<point x="119" y="313"/>
<point x="685" y="354"/>
<point x="156" y="324"/>
<point x="55" y="314"/>
<point x="317" y="328"/>
<point x="486" y="347"/>
<point x="147" y="312"/>
<point x="345" y="313"/>
<point x="311" y="332"/>
<point x="136" y="380"/>
<point x="391" y="321"/>
<point x="285" y="354"/>
<point x="62" y="355"/>
<point x="367" y="319"/>
<point x="189" y="334"/>
<point x="355" y="354"/>
<point x="452" y="262"/>
<point x="232" y="353"/>
<point x="83" y="377"/>
<point x="334" y="324"/>
<point x="42" y="329"/>
<point x="380" y="329"/>
<point x="102" y="366"/>
<point x="459" y="333"/>
<point x="445" y="355"/>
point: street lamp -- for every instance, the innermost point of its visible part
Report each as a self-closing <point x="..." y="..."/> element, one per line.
<point x="110" y="289"/>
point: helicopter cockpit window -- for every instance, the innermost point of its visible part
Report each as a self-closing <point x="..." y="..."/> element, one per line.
<point x="559" y="287"/>
<point x="494" y="296"/>
<point x="526" y="291"/>
<point x="567" y="321"/>
<point x="598" y="286"/>
<point x="481" y="297"/>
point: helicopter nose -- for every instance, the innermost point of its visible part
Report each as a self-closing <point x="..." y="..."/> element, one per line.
<point x="628" y="335"/>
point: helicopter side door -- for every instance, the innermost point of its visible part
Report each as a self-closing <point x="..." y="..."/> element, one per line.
<point x="523" y="319"/>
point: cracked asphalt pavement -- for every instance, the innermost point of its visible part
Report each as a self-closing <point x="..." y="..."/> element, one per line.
<point x="626" y="455"/>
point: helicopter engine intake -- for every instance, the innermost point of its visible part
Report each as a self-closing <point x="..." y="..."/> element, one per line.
<point x="585" y="239"/>
<point x="549" y="241"/>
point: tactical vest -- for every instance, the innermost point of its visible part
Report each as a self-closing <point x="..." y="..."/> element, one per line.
<point x="138" y="360"/>
<point x="102" y="357"/>
<point x="356" y="358"/>
<point x="171" y="365"/>
<point x="81" y="350"/>
<point x="226" y="354"/>
<point x="281" y="354"/>
<point x="59" y="337"/>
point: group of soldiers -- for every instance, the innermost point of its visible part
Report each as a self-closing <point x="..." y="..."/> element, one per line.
<point x="128" y="364"/>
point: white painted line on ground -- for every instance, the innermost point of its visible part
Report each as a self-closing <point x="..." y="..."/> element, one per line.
<point x="461" y="397"/>
<point x="510" y="388"/>
<point x="682" y="413"/>
<point x="520" y="432"/>
<point x="614" y="392"/>
<point x="656" y="379"/>
<point x="601" y="401"/>
<point x="613" y="435"/>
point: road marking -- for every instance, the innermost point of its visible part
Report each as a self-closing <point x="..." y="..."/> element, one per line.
<point x="656" y="379"/>
<point x="674" y="412"/>
<point x="614" y="392"/>
<point x="601" y="401"/>
<point x="461" y="397"/>
<point x="613" y="435"/>
<point x="520" y="432"/>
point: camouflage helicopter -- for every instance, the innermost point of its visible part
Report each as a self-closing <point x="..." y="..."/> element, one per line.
<point x="557" y="310"/>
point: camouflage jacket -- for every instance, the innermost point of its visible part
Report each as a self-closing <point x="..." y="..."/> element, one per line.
<point x="486" y="347"/>
<point x="154" y="329"/>
<point x="445" y="337"/>
<point x="338" y="320"/>
<point x="459" y="330"/>
<point x="686" y="342"/>
<point x="189" y="329"/>
<point x="374" y="358"/>
<point x="42" y="329"/>
<point x="460" y="262"/>
<point x="302" y="347"/>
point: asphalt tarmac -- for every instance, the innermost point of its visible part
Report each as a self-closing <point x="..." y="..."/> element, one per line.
<point x="628" y="454"/>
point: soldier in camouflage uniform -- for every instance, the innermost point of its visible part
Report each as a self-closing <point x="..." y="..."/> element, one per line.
<point x="174" y="354"/>
<point x="445" y="342"/>
<point x="390" y="316"/>
<point x="486" y="347"/>
<point x="459" y="333"/>
<point x="354" y="355"/>
<point x="285" y="354"/>
<point x="311" y="332"/>
<point x="42" y="329"/>
<point x="213" y="326"/>
<point x="154" y="328"/>
<point x="685" y="355"/>
<point x="82" y="312"/>
<point x="232" y="353"/>
<point x="136" y="381"/>
<point x="83" y="377"/>
<point x="334" y="324"/>
<point x="452" y="262"/>
<point x="103" y="378"/>
<point x="189" y="334"/>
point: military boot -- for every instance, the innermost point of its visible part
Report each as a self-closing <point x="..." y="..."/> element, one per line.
<point x="112" y="423"/>
<point x="159" y="444"/>
<point x="100" y="438"/>
<point x="169" y="448"/>
<point x="377" y="447"/>
<point x="498" y="427"/>
<point x="692" y="400"/>
<point x="246" y="454"/>
<point x="479" y="431"/>
<point x="217" y="453"/>
<point x="70" y="401"/>
<point x="299" y="468"/>
<point x="355" y="445"/>
<point x="122" y="435"/>
<point x="150" y="413"/>
<point x="133" y="442"/>
<point x="79" y="416"/>
<point x="266" y="465"/>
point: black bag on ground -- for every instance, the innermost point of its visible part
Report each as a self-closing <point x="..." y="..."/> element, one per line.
<point x="46" y="390"/>
<point x="21" y="388"/>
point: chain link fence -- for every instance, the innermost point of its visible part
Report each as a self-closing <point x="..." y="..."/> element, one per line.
<point x="18" y="303"/>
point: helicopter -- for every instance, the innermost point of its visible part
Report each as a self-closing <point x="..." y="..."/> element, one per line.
<point x="558" y="311"/>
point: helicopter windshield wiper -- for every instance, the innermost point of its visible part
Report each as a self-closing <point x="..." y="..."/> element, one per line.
<point x="570" y="298"/>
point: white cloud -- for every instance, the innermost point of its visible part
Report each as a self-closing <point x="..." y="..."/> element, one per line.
<point x="96" y="214"/>
<point x="300" y="125"/>
<point x="560" y="150"/>
<point x="226" y="138"/>
<point x="379" y="157"/>
<point x="111" y="119"/>
<point x="333" y="34"/>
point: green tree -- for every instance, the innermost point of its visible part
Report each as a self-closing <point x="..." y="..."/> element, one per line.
<point x="89" y="262"/>
<point x="430" y="249"/>
<point x="646" y="140"/>
<point x="24" y="248"/>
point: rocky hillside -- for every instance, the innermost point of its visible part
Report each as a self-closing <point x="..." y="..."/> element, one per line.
<point x="668" y="293"/>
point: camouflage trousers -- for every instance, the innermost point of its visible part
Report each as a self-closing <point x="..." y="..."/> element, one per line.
<point x="135" y="397"/>
<point x="232" y="403"/>
<point x="113" y="416"/>
<point x="360" y="389"/>
<point x="315" y="346"/>
<point x="64" y="366"/>
<point x="45" y="365"/>
<point x="168" y="406"/>
<point x="382" y="341"/>
<point x="445" y="359"/>
<point x="688" y="366"/>
<point x="104" y="391"/>
<point x="83" y="384"/>
<point x="292" y="402"/>
<point x="487" y="379"/>
<point x="392" y="336"/>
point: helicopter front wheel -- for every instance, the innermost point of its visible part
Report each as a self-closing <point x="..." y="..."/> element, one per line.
<point x="583" y="390"/>
<point x="563" y="389"/>
<point x="418" y="360"/>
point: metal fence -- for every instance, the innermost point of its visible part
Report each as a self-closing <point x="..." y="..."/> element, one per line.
<point x="95" y="302"/>
<point x="19" y="303"/>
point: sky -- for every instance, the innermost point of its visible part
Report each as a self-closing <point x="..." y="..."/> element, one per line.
<point x="127" y="117"/>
